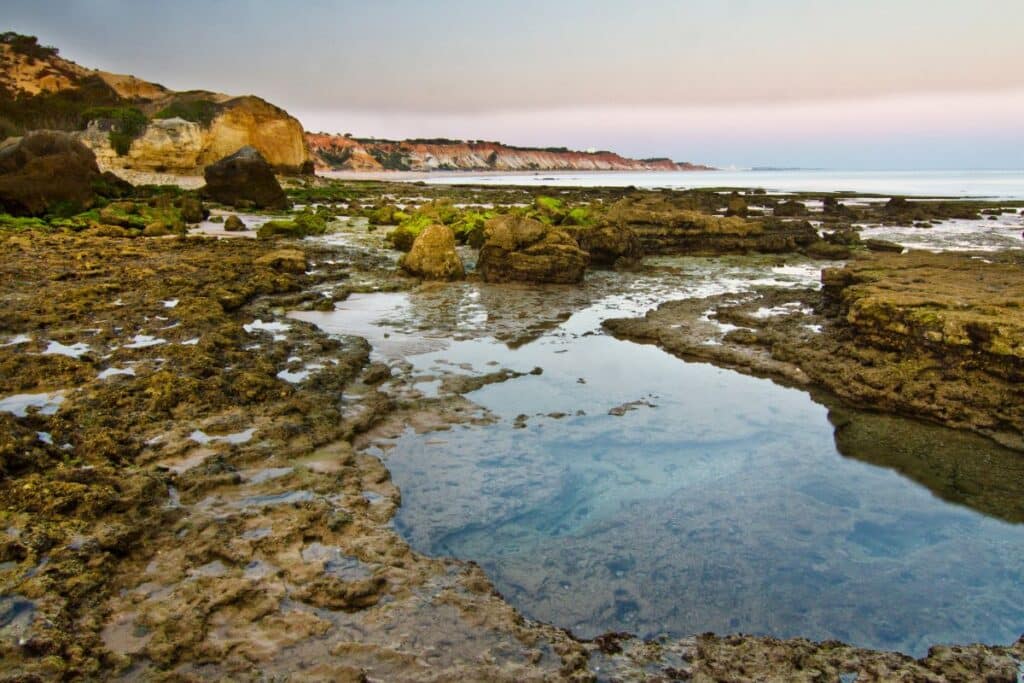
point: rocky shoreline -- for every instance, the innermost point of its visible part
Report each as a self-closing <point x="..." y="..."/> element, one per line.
<point x="186" y="493"/>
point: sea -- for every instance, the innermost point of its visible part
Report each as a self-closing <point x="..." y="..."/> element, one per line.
<point x="988" y="184"/>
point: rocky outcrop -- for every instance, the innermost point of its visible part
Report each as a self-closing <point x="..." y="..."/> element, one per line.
<point x="48" y="168"/>
<point x="339" y="152"/>
<point x="243" y="178"/>
<point x="177" y="145"/>
<point x="180" y="132"/>
<point x="666" y="225"/>
<point x="933" y="336"/>
<point x="433" y="255"/>
<point x="522" y="249"/>
<point x="608" y="245"/>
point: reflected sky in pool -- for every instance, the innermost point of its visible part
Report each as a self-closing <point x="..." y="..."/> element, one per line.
<point x="714" y="501"/>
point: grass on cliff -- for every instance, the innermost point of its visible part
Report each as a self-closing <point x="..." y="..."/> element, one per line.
<point x="197" y="111"/>
<point x="126" y="124"/>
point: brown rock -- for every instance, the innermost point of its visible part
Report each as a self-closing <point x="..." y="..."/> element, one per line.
<point x="284" y="260"/>
<point x="433" y="255"/>
<point x="46" y="168"/>
<point x="244" y="176"/>
<point x="609" y="245"/>
<point x="522" y="249"/>
<point x="234" y="224"/>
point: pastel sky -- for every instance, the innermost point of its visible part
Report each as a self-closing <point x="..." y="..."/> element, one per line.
<point x="826" y="83"/>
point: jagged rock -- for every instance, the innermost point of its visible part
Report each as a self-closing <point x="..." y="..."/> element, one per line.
<point x="433" y="255"/>
<point x="234" y="224"/>
<point x="44" y="169"/>
<point x="522" y="249"/>
<point x="609" y="245"/>
<point x="244" y="176"/>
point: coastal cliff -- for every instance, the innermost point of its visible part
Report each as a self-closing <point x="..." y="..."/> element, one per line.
<point x="132" y="124"/>
<point x="342" y="152"/>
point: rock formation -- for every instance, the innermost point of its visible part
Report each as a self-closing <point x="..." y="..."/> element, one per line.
<point x="608" y="245"/>
<point x="179" y="132"/>
<point x="666" y="225"/>
<point x="433" y="255"/>
<point x="339" y="152"/>
<point x="245" y="176"/>
<point x="48" y="168"/>
<point x="522" y="249"/>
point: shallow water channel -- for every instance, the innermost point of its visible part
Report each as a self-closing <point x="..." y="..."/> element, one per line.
<point x="646" y="494"/>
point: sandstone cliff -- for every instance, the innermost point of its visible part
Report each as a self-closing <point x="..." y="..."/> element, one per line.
<point x="338" y="152"/>
<point x="160" y="129"/>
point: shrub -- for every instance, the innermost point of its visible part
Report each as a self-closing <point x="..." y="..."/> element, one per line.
<point x="126" y="124"/>
<point x="196" y="111"/>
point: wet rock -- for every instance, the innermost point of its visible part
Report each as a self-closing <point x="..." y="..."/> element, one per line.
<point x="670" y="224"/>
<point x="244" y="176"/>
<point x="234" y="224"/>
<point x="376" y="373"/>
<point x="790" y="209"/>
<point x="737" y="206"/>
<point x="522" y="249"/>
<point x="827" y="250"/>
<point x="284" y="260"/>
<point x="609" y="245"/>
<point x="192" y="210"/>
<point x="48" y="170"/>
<point x="433" y="255"/>
<point x="883" y="246"/>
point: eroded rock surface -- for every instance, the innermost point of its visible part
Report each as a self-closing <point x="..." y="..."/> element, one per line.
<point x="666" y="224"/>
<point x="433" y="255"/>
<point x="522" y="249"/>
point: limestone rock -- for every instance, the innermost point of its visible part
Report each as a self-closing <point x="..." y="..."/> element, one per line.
<point x="244" y="176"/>
<point x="522" y="249"/>
<point x="433" y="255"/>
<point x="46" y="168"/>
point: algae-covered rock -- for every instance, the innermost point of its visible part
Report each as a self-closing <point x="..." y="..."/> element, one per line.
<point x="609" y="245"/>
<point x="244" y="176"/>
<point x="234" y="224"/>
<point x="522" y="249"/>
<point x="669" y="224"/>
<point x="305" y="224"/>
<point x="823" y="249"/>
<point x="284" y="260"/>
<point x="790" y="209"/>
<point x="47" y="171"/>
<point x="433" y="255"/>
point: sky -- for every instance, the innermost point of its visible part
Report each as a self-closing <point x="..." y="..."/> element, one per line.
<point x="793" y="83"/>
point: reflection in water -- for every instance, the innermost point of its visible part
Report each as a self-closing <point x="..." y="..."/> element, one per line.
<point x="726" y="506"/>
<point x="959" y="467"/>
<point x="720" y="502"/>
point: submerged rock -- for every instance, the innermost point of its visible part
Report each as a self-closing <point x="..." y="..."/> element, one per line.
<point x="522" y="249"/>
<point x="433" y="255"/>
<point x="245" y="176"/>
<point x="47" y="170"/>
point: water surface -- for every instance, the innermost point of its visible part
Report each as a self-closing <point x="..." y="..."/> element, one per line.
<point x="649" y="495"/>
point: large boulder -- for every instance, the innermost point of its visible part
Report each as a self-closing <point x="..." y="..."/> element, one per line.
<point x="609" y="245"/>
<point x="521" y="249"/>
<point x="50" y="170"/>
<point x="433" y="255"/>
<point x="246" y="177"/>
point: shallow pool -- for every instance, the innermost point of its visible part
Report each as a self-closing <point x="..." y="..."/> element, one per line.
<point x="650" y="495"/>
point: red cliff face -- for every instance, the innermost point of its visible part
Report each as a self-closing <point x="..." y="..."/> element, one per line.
<point x="336" y="152"/>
